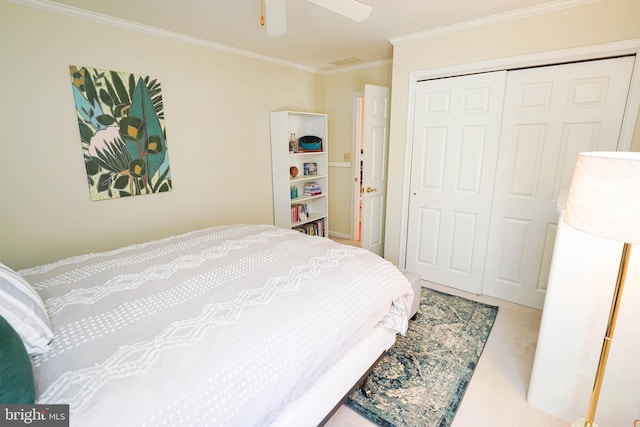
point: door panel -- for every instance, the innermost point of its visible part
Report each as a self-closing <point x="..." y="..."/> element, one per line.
<point x="372" y="227"/>
<point x="427" y="239"/>
<point x="550" y="115"/>
<point x="455" y="144"/>
<point x="374" y="180"/>
<point x="463" y="225"/>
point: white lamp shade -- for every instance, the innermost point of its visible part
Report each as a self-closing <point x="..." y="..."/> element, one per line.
<point x="604" y="198"/>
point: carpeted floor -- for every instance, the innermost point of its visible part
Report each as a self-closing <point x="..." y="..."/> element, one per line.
<point x="422" y="379"/>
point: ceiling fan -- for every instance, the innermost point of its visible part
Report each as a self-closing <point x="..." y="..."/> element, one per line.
<point x="274" y="13"/>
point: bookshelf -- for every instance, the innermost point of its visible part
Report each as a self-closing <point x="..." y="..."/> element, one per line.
<point x="293" y="207"/>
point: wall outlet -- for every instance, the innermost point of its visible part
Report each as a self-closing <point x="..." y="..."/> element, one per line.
<point x="347" y="157"/>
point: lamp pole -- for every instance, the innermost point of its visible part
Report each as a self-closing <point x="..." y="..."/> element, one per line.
<point x="608" y="338"/>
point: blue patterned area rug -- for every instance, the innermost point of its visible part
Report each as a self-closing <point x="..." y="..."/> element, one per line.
<point x="421" y="380"/>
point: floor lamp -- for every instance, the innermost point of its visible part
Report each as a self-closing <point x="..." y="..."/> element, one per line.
<point x="604" y="200"/>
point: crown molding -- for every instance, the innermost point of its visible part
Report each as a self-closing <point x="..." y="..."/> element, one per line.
<point x="154" y="31"/>
<point x="552" y="6"/>
<point x="358" y="67"/>
<point x="75" y="12"/>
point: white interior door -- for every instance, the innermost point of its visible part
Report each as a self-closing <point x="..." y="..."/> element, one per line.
<point x="455" y="146"/>
<point x="374" y="167"/>
<point x="550" y="115"/>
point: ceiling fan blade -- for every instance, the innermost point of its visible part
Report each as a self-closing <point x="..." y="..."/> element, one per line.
<point x="348" y="8"/>
<point x="276" y="17"/>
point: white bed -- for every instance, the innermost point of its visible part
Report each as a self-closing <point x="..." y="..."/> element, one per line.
<point x="233" y="325"/>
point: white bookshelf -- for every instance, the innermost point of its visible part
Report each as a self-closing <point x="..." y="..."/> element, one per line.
<point x="283" y="124"/>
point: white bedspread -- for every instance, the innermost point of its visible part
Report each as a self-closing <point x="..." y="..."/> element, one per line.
<point x="223" y="326"/>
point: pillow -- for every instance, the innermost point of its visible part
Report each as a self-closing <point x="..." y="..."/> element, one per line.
<point x="23" y="308"/>
<point x="16" y="376"/>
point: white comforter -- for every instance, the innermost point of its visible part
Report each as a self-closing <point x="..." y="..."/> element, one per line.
<point x="223" y="326"/>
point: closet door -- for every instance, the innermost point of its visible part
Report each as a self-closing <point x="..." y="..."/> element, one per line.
<point x="550" y="115"/>
<point x="455" y="145"/>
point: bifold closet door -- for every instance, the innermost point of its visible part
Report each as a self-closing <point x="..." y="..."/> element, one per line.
<point x="455" y="145"/>
<point x="550" y="114"/>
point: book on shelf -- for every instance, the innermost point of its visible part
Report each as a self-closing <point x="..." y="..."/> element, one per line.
<point x="312" y="189"/>
<point x="299" y="212"/>
<point x="313" y="228"/>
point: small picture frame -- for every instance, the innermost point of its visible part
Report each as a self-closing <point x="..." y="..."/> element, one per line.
<point x="311" y="168"/>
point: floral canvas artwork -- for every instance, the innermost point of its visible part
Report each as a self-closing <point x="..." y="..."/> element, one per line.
<point x="121" y="121"/>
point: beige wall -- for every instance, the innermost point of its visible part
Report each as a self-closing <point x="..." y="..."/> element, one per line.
<point x="595" y="23"/>
<point x="217" y="124"/>
<point x="339" y="92"/>
<point x="216" y="107"/>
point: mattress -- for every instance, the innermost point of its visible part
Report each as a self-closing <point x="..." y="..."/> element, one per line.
<point x="224" y="326"/>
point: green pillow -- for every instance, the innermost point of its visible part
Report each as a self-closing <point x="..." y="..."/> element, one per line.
<point x="16" y="375"/>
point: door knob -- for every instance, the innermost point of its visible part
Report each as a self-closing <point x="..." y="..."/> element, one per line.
<point x="370" y="190"/>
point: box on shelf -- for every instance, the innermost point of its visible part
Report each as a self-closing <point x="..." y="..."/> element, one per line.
<point x="310" y="143"/>
<point x="311" y="168"/>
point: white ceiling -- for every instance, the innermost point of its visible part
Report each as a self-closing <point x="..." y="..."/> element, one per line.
<point x="315" y="36"/>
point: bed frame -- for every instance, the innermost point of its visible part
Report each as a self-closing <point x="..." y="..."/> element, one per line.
<point x="328" y="394"/>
